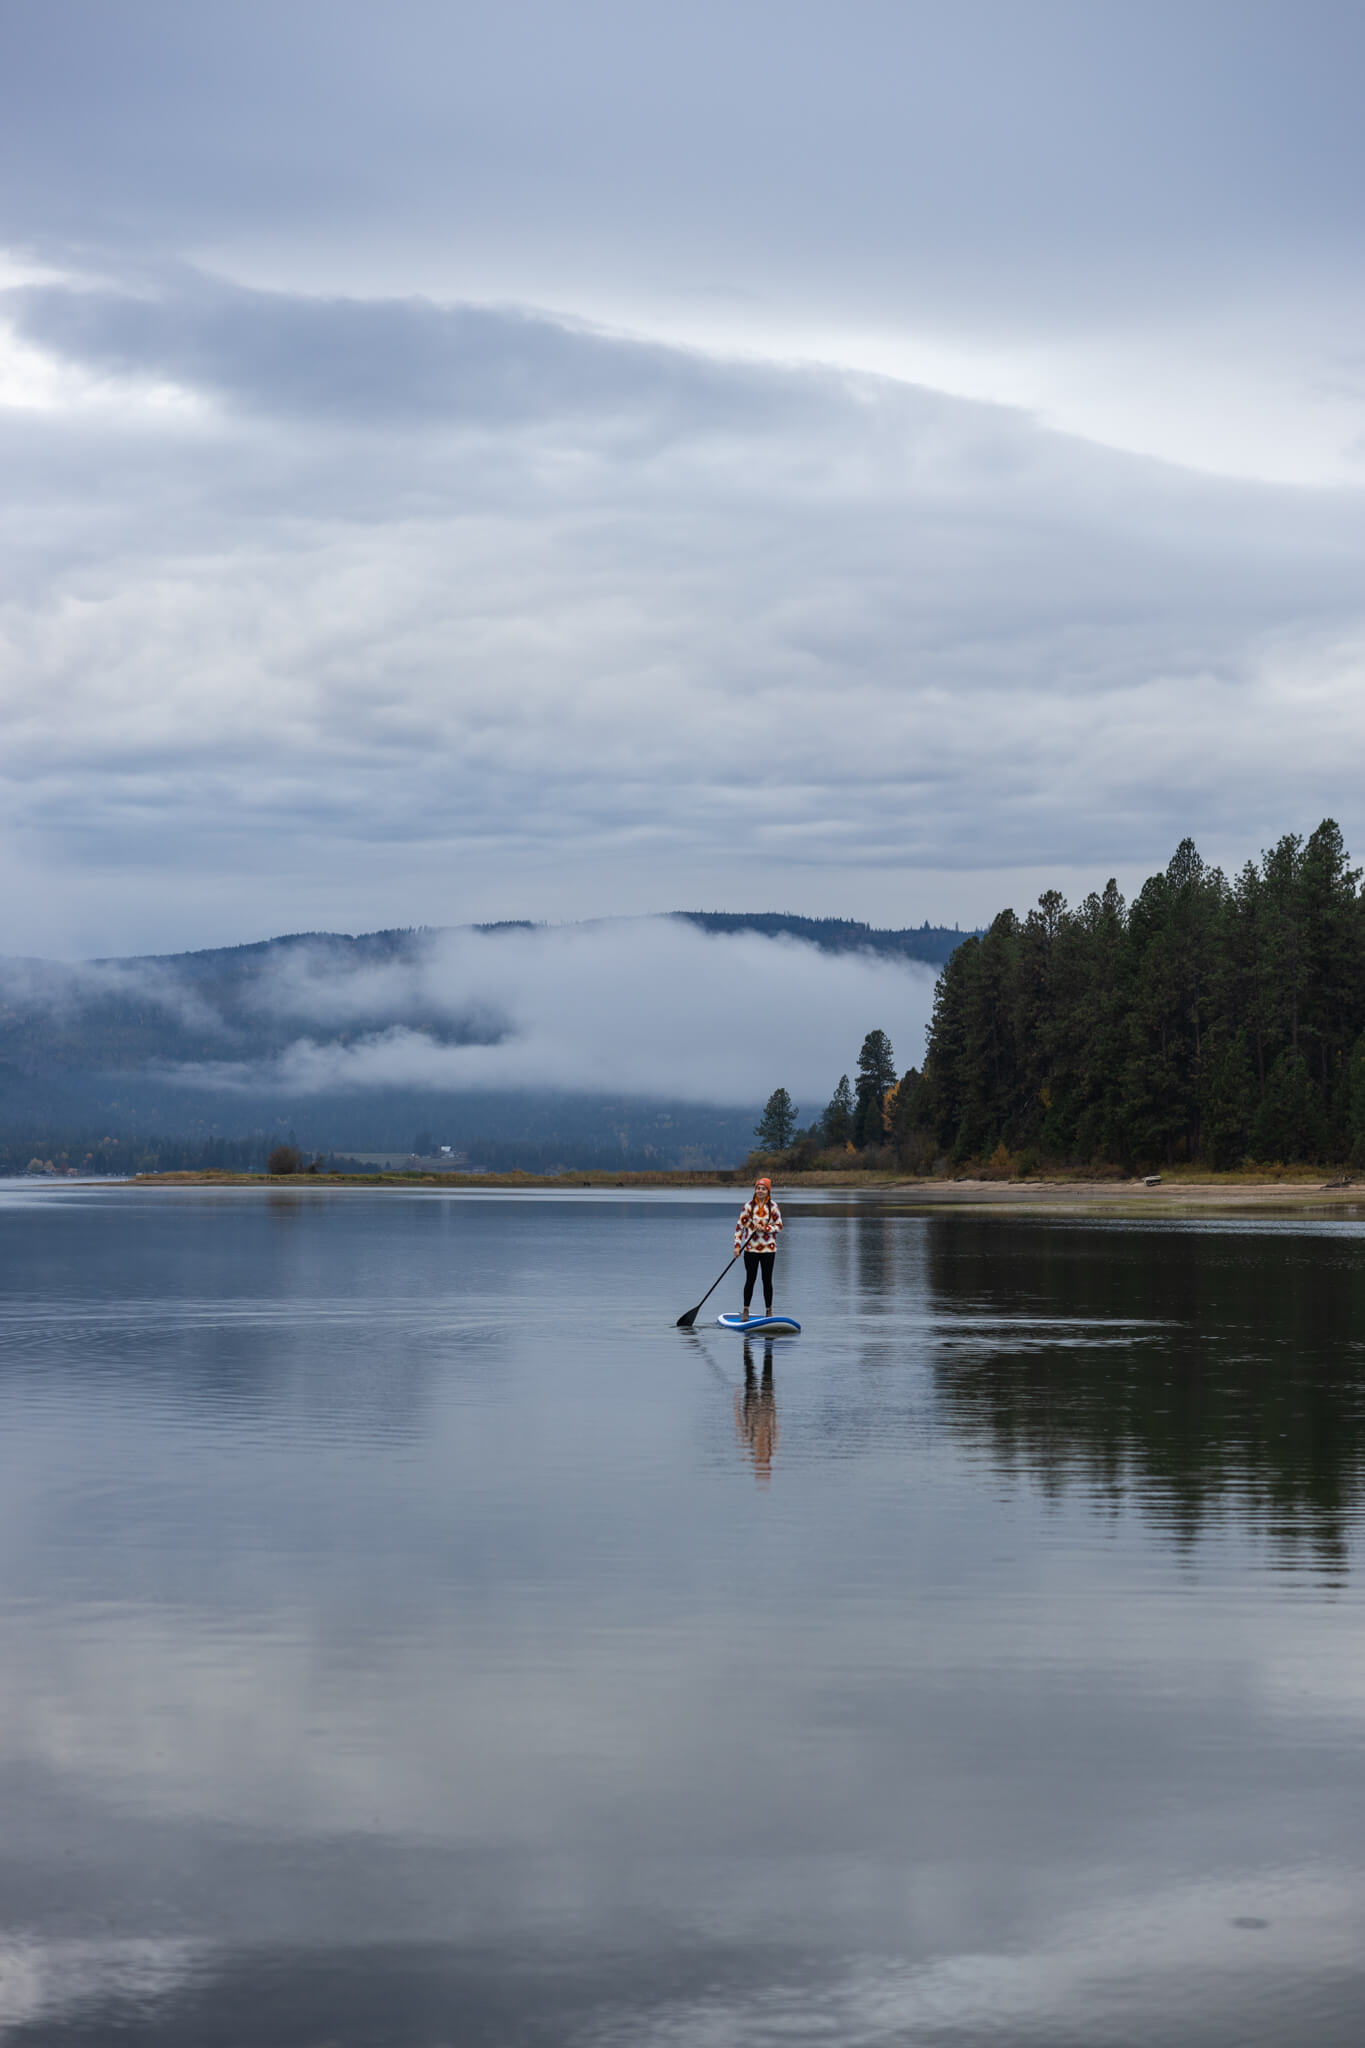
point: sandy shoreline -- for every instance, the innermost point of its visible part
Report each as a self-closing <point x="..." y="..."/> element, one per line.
<point x="1171" y="1196"/>
<point x="1133" y="1197"/>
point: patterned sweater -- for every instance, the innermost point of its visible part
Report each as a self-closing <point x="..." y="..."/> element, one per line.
<point x="760" y="1221"/>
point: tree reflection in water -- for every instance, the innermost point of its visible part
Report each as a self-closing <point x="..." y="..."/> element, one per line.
<point x="1205" y="1372"/>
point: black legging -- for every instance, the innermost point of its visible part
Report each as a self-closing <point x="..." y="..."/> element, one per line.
<point x="752" y="1262"/>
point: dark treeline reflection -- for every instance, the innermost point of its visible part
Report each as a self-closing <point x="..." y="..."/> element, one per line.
<point x="1200" y="1372"/>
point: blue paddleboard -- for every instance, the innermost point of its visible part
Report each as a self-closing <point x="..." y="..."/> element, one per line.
<point x="761" y="1326"/>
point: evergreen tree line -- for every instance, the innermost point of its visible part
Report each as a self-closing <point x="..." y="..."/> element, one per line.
<point x="1210" y="1020"/>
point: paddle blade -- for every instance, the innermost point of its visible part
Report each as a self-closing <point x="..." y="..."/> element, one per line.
<point x="686" y="1322"/>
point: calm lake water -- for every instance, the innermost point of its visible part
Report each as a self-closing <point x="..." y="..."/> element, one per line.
<point x="408" y="1636"/>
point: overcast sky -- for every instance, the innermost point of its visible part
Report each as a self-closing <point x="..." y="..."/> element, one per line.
<point x="547" y="461"/>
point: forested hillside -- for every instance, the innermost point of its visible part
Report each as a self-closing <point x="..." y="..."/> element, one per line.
<point x="929" y="943"/>
<point x="1212" y="1019"/>
<point x="170" y="1058"/>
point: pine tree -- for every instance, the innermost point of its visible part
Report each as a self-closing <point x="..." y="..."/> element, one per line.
<point x="877" y="1063"/>
<point x="774" y="1128"/>
<point x="837" y="1121"/>
<point x="1332" y="949"/>
<point x="876" y="1078"/>
<point x="942" y="1094"/>
<point x="990" y="1051"/>
<point x="1356" y="1103"/>
<point x="1231" y="1107"/>
<point x="1289" y="1123"/>
<point x="914" y="1147"/>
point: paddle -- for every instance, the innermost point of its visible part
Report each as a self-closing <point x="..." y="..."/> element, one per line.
<point x="686" y="1321"/>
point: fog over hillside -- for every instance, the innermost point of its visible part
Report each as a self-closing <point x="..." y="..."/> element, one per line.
<point x="663" y="1034"/>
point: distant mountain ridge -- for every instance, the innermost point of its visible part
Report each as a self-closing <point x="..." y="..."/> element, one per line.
<point x="929" y="943"/>
<point x="117" y="1045"/>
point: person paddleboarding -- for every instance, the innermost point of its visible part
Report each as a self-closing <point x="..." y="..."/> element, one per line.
<point x="759" y="1222"/>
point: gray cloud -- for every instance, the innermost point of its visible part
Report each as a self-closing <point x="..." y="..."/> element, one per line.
<point x="340" y="589"/>
<point x="779" y="135"/>
<point x="627" y="1007"/>
<point x="1147" y="222"/>
<point x="385" y="363"/>
<point x="585" y="624"/>
<point x="60" y="991"/>
<point x="639" y="1007"/>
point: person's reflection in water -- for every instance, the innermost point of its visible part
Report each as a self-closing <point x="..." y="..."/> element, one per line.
<point x="756" y="1413"/>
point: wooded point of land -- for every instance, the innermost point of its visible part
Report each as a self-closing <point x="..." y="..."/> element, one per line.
<point x="1211" y="1021"/>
